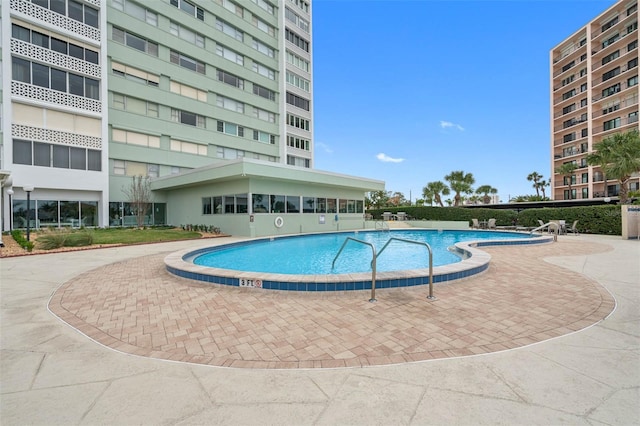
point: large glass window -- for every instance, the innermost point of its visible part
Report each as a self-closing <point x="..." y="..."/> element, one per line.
<point x="308" y="205"/>
<point x="47" y="213"/>
<point x="277" y="204"/>
<point x="293" y="204"/>
<point x="260" y="203"/>
<point x="89" y="213"/>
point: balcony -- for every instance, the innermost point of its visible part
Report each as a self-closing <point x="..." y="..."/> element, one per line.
<point x="53" y="18"/>
<point x="54" y="58"/>
<point x="55" y="136"/>
<point x="54" y="97"/>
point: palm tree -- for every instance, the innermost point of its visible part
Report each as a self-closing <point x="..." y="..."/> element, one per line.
<point x="460" y="182"/>
<point x="535" y="177"/>
<point x="485" y="190"/>
<point x="566" y="170"/>
<point x="619" y="157"/>
<point x="433" y="190"/>
<point x="542" y="185"/>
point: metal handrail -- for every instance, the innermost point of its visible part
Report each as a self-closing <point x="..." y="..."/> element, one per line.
<point x="554" y="225"/>
<point x="430" y="259"/>
<point x="373" y="264"/>
<point x="382" y="224"/>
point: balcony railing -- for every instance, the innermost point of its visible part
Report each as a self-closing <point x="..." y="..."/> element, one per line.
<point x="621" y="105"/>
<point x="53" y="18"/>
<point x="54" y="58"/>
<point x="43" y="94"/>
<point x="56" y="136"/>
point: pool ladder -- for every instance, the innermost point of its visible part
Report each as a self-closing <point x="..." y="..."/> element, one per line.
<point x="375" y="257"/>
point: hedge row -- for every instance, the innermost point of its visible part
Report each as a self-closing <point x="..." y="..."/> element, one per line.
<point x="591" y="219"/>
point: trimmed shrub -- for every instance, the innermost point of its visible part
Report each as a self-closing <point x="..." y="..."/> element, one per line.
<point x="22" y="240"/>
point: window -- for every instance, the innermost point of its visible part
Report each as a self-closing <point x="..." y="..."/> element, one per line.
<point x="189" y="118"/>
<point x="298" y="101"/>
<point x="568" y="80"/>
<point x="264" y="115"/>
<point x="297" y="61"/>
<point x="73" y="9"/>
<point x="298" y="162"/>
<point x="611" y="90"/>
<point x="609" y="24"/>
<point x="611" y="124"/>
<point x="297" y="81"/>
<point x="59" y="156"/>
<point x="132" y="168"/>
<point x="230" y="128"/>
<point x="568" y="94"/>
<point x="299" y="22"/>
<point x="610" y="74"/>
<point x="583" y="102"/>
<point x="229" y="30"/>
<point x="569" y="137"/>
<point x="186" y="34"/>
<point x="296" y="40"/>
<point x="298" y="142"/>
<point x="569" y="108"/>
<point x="610" y="57"/>
<point x="134" y="41"/>
<point x="189" y="8"/>
<point x="188" y="91"/>
<point x="265" y="5"/>
<point x="187" y="62"/>
<point x="137" y="11"/>
<point x="229" y="153"/>
<point x="229" y="55"/>
<point x="632" y="63"/>
<point x="632" y="45"/>
<point x="188" y="147"/>
<point x="230" y="79"/>
<point x="134" y="138"/>
<point x="610" y="40"/>
<point x="264" y="92"/>
<point x="43" y="40"/>
<point x="264" y="137"/>
<point x="232" y="7"/>
<point x="568" y="66"/>
<point x="207" y="206"/>
<point x="632" y="81"/>
<point x="633" y="117"/>
<point x="264" y="71"/>
<point x="134" y="74"/>
<point x="585" y="178"/>
<point x="263" y="48"/>
<point x="43" y="76"/>
<point x="298" y="122"/>
<point x="585" y="132"/>
<point x="302" y="4"/>
<point x="263" y="26"/>
<point x="135" y="105"/>
<point x="230" y="104"/>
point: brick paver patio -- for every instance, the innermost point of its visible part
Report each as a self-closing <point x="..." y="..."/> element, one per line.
<point x="136" y="307"/>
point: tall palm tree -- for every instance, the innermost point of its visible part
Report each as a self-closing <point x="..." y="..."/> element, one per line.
<point x="485" y="190"/>
<point x="460" y="182"/>
<point x="566" y="170"/>
<point x="619" y="157"/>
<point x="535" y="177"/>
<point x="433" y="190"/>
<point x="542" y="185"/>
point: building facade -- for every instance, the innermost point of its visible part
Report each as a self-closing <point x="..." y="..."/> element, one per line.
<point x="102" y="91"/>
<point x="594" y="94"/>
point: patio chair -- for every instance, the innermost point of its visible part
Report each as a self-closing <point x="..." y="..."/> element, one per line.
<point x="491" y="224"/>
<point x="475" y="224"/>
<point x="573" y="229"/>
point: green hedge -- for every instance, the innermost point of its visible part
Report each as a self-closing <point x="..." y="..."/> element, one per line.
<point x="22" y="240"/>
<point x="591" y="219"/>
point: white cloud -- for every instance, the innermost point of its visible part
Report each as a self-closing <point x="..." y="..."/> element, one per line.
<point x="326" y="148"/>
<point x="448" y="124"/>
<point x="386" y="159"/>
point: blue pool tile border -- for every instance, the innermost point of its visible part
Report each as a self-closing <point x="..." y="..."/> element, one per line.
<point x="474" y="261"/>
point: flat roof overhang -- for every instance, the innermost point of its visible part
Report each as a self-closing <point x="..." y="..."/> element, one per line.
<point x="255" y="169"/>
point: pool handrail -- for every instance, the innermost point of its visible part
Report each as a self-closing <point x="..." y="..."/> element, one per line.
<point x="373" y="264"/>
<point x="382" y="225"/>
<point x="422" y="243"/>
<point x="552" y="226"/>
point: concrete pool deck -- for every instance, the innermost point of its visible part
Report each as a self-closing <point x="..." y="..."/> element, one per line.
<point x="51" y="374"/>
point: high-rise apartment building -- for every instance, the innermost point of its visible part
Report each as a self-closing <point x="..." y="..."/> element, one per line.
<point x="594" y="94"/>
<point x="181" y="91"/>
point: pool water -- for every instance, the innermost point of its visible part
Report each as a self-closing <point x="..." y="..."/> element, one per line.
<point x="314" y="254"/>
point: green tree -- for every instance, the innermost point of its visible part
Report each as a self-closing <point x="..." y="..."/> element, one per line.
<point x="566" y="170"/>
<point x="542" y="185"/>
<point x="434" y="191"/>
<point x="378" y="199"/>
<point x="535" y="177"/>
<point x="619" y="157"/>
<point x="460" y="182"/>
<point x="485" y="190"/>
<point x="139" y="197"/>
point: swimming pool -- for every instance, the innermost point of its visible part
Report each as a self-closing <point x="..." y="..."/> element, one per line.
<point x="314" y="254"/>
<point x="467" y="260"/>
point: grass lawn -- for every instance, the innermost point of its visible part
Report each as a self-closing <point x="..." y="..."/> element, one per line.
<point x="134" y="236"/>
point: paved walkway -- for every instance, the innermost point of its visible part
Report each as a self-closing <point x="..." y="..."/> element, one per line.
<point x="51" y="374"/>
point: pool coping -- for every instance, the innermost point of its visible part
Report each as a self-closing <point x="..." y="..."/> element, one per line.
<point x="474" y="262"/>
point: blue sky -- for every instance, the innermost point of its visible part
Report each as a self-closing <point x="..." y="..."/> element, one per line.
<point x="406" y="91"/>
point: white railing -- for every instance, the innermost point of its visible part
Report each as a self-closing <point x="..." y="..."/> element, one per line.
<point x="44" y="94"/>
<point x="55" y="136"/>
<point x="38" y="12"/>
<point x="54" y="58"/>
